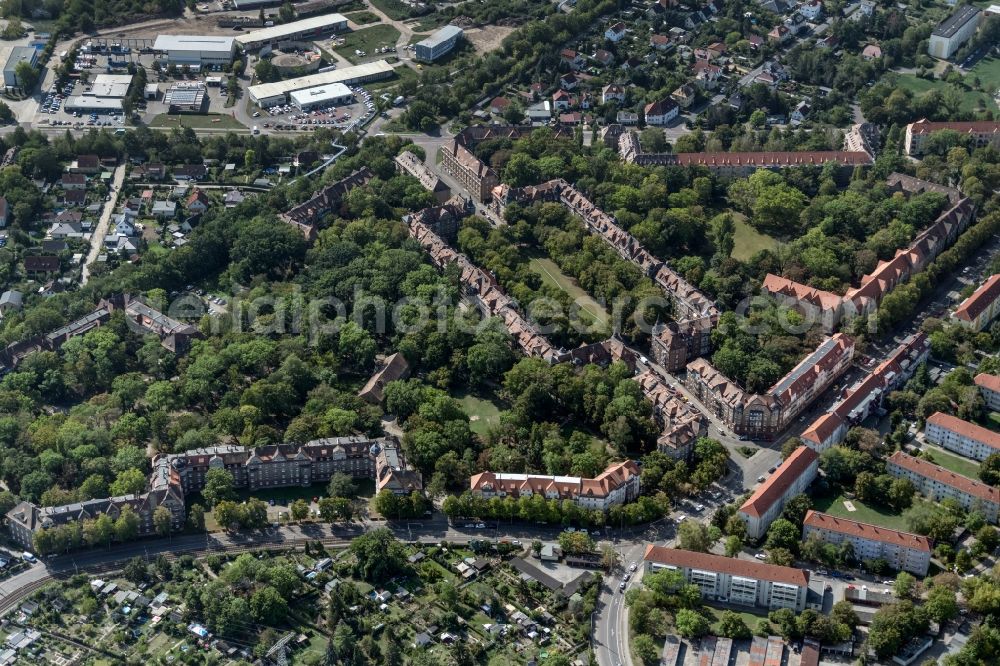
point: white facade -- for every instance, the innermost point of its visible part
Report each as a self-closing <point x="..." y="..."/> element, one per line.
<point x="306" y="29"/>
<point x="903" y="551"/>
<point x="962" y="437"/>
<point x="438" y="44"/>
<point x="269" y="94"/>
<point x="768" y="501"/>
<point x="332" y="94"/>
<point x="937" y="483"/>
<point x="202" y="50"/>
<point x="954" y="31"/>
<point x="735" y="581"/>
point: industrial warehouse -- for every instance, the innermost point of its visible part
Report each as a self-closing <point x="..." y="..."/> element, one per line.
<point x="269" y="94"/>
<point x="196" y="50"/>
<point x="304" y="30"/>
<point x="105" y="95"/>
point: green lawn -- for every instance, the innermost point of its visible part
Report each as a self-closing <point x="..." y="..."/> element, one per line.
<point x="863" y="513"/>
<point x="988" y="71"/>
<point x="483" y="411"/>
<point x="362" y="18"/>
<point x="750" y="619"/>
<point x="971" y="99"/>
<point x="208" y="121"/>
<point x="394" y="9"/>
<point x="367" y="40"/>
<point x="748" y="241"/>
<point x="955" y="463"/>
<point x="591" y="312"/>
<point x="992" y="421"/>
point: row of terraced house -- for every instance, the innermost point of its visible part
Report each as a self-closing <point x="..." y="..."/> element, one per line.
<point x="831" y="309"/>
<point x="275" y="466"/>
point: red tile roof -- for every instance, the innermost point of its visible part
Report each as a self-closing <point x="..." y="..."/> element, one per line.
<point x="981" y="299"/>
<point x="990" y="382"/>
<point x="946" y="477"/>
<point x="728" y="565"/>
<point x="778" y="484"/>
<point x="975" y="126"/>
<point x="965" y="429"/>
<point x="767" y="159"/>
<point x="822" y="299"/>
<point x="825" y="521"/>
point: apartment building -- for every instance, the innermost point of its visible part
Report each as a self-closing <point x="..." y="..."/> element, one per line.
<point x="981" y="132"/>
<point x="954" y="31"/>
<point x="618" y="484"/>
<point x="307" y="215"/>
<point x="818" y="306"/>
<point x="978" y="310"/>
<point x="681" y="423"/>
<point x="938" y="483"/>
<point x="902" y="550"/>
<point x="763" y="416"/>
<point x="767" y="502"/>
<point x="733" y="580"/>
<point x="989" y="388"/>
<point x="865" y="397"/>
<point x="962" y="437"/>
<point x="477" y="177"/>
<point x="412" y="165"/>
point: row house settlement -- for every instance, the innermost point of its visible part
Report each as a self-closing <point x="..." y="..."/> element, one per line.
<point x="763" y="416"/>
<point x="275" y="466"/>
<point x="831" y="309"/>
<point x="866" y="396"/>
<point x="306" y="216"/>
<point x="616" y="485"/>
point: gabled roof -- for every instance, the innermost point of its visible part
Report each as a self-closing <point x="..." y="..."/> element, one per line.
<point x="980" y="300"/>
<point x="778" y="483"/>
<point x="853" y="528"/>
<point x="729" y="565"/>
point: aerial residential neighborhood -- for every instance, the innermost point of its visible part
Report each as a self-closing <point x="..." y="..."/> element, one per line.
<point x="576" y="333"/>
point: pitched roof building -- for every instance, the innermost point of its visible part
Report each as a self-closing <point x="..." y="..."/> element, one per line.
<point x="618" y="484"/>
<point x="937" y="483"/>
<point x="902" y="550"/>
<point x="792" y="478"/>
<point x="395" y="367"/>
<point x="982" y="307"/>
<point x="981" y="132"/>
<point x="968" y="439"/>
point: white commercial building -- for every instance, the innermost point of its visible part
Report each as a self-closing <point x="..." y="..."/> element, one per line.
<point x="328" y="95"/>
<point x="269" y="94"/>
<point x="954" y="31"/>
<point x="111" y="85"/>
<point x="91" y="103"/>
<point x="201" y="50"/>
<point x="962" y="437"/>
<point x="438" y="44"/>
<point x="733" y="580"/>
<point x="902" y="550"/>
<point x="296" y="31"/>
<point x="937" y="483"/>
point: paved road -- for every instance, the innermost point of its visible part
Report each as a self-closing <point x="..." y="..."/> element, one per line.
<point x="97" y="239"/>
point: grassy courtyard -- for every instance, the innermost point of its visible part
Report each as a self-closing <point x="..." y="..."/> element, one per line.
<point x="971" y="99"/>
<point x="367" y="40"/>
<point x="715" y="615"/>
<point x="483" y="410"/>
<point x="956" y="464"/>
<point x="834" y="505"/>
<point x="748" y="241"/>
<point x="591" y="312"/>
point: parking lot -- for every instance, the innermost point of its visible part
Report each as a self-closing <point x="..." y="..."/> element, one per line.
<point x="52" y="112"/>
<point x="345" y="117"/>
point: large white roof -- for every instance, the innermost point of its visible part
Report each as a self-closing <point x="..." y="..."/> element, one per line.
<point x="321" y="94"/>
<point x="111" y="85"/>
<point x="203" y="43"/>
<point x="345" y="75"/>
<point x="276" y="32"/>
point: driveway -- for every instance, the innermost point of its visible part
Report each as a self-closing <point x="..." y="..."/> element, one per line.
<point x="97" y="239"/>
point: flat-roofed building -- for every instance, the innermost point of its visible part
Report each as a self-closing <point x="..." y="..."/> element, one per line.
<point x="989" y="388"/>
<point x="17" y="55"/>
<point x="954" y="31"/>
<point x="902" y="550"/>
<point x="438" y="44"/>
<point x="937" y="483"/>
<point x="982" y="307"/>
<point x="113" y="86"/>
<point x="269" y="94"/>
<point x="201" y="50"/>
<point x="734" y="580"/>
<point x="91" y="103"/>
<point x="962" y="437"/>
<point x="791" y="479"/>
<point x="186" y="96"/>
<point x="330" y="94"/>
<point x="304" y="30"/>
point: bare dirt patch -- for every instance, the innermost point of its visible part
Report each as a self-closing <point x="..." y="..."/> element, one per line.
<point x="489" y="38"/>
